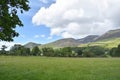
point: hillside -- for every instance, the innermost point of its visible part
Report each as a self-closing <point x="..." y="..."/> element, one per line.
<point x="110" y="34"/>
<point x="107" y="43"/>
<point x="67" y="42"/>
<point x="31" y="45"/>
<point x="109" y="39"/>
<point x="90" y="38"/>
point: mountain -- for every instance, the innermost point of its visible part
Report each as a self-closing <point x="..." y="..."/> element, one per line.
<point x="70" y="42"/>
<point x="108" y="40"/>
<point x="90" y="38"/>
<point x="31" y="45"/>
<point x="109" y="35"/>
<point x="67" y="42"/>
<point x="108" y="43"/>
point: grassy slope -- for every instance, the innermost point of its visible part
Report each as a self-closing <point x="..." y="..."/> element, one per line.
<point x="110" y="43"/>
<point x="42" y="68"/>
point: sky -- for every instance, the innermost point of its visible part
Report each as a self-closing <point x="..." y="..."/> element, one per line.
<point x="50" y="20"/>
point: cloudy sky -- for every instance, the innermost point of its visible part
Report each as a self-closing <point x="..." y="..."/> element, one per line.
<point x="49" y="20"/>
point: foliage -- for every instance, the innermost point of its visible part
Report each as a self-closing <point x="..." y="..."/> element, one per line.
<point x="9" y="17"/>
<point x="90" y="51"/>
<point x="66" y="52"/>
<point x="19" y="50"/>
<point x="36" y="51"/>
<point x="115" y="52"/>
<point x="48" y="51"/>
<point x="3" y="52"/>
<point x="94" y="51"/>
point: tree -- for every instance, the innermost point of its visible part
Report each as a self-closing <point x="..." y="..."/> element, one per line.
<point x="36" y="51"/>
<point x="115" y="52"/>
<point x="3" y="49"/>
<point x="9" y="17"/>
<point x="48" y="51"/>
<point x="16" y="49"/>
<point x="66" y="52"/>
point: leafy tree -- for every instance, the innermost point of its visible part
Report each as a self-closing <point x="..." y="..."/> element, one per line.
<point x="115" y="52"/>
<point x="78" y="50"/>
<point x="66" y="51"/>
<point x="3" y="49"/>
<point x="28" y="52"/>
<point x="88" y="53"/>
<point x="9" y="19"/>
<point x="48" y="51"/>
<point x="17" y="49"/>
<point x="36" y="51"/>
<point x="94" y="51"/>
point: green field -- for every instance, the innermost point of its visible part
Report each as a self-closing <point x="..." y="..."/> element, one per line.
<point x="47" y="68"/>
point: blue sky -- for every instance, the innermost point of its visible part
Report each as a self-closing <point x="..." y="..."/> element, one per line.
<point x="30" y="32"/>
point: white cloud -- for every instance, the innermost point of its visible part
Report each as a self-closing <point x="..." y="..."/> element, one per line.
<point x="78" y="18"/>
<point x="42" y="35"/>
<point x="8" y="44"/>
<point x="50" y="37"/>
<point x="44" y="1"/>
<point x="36" y="36"/>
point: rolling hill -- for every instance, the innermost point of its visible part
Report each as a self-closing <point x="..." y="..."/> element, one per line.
<point x="90" y="38"/>
<point x="109" y="35"/>
<point x="108" y="40"/>
<point x="106" y="43"/>
<point x="31" y="45"/>
<point x="67" y="42"/>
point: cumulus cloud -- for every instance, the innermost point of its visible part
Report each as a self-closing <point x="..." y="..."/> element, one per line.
<point x="36" y="36"/>
<point x="44" y="1"/>
<point x="42" y="35"/>
<point x="79" y="18"/>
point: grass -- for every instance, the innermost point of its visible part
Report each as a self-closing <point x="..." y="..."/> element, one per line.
<point x="109" y="43"/>
<point x="47" y="68"/>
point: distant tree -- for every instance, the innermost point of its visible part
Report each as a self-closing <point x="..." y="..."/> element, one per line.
<point x="115" y="52"/>
<point x="66" y="51"/>
<point x="28" y="52"/>
<point x="9" y="19"/>
<point x="94" y="51"/>
<point x="78" y="50"/>
<point x="18" y="50"/>
<point x="88" y="53"/>
<point x="48" y="51"/>
<point x="3" y="49"/>
<point x="36" y="51"/>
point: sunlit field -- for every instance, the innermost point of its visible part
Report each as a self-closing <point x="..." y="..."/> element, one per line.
<point x="48" y="68"/>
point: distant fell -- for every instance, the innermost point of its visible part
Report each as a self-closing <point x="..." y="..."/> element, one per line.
<point x="110" y="34"/>
<point x="31" y="45"/>
<point x="90" y="38"/>
<point x="66" y="42"/>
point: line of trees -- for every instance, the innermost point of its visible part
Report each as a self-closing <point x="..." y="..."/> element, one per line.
<point x="92" y="51"/>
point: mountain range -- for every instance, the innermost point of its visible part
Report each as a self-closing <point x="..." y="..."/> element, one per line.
<point x="71" y="42"/>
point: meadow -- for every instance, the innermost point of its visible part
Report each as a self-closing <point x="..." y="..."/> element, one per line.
<point x="51" y="68"/>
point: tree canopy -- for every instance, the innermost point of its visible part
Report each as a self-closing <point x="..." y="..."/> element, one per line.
<point x="9" y="18"/>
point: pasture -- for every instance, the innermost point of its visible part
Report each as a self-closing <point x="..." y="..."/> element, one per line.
<point x="50" y="68"/>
